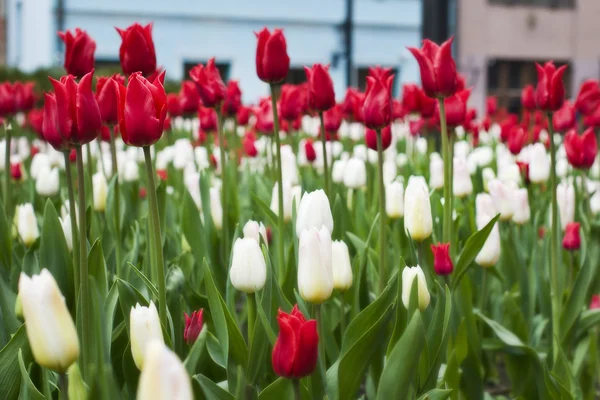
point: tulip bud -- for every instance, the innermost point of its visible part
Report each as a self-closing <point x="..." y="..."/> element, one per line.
<point x="409" y="274"/>
<point x="539" y="164"/>
<point x="65" y="223"/>
<point x="390" y="171"/>
<point x="100" y="191"/>
<point x="315" y="276"/>
<point x="50" y="328"/>
<point x="193" y="326"/>
<point x="216" y="209"/>
<point x="485" y="209"/>
<point x="27" y="224"/>
<point x="572" y="240"/>
<point x="248" y="271"/>
<point x="442" y="263"/>
<point x="144" y="327"/>
<point x="355" y="173"/>
<point x="436" y="171"/>
<point x="565" y="196"/>
<point x="272" y="60"/>
<point x="502" y="196"/>
<point x="487" y="175"/>
<point x="47" y="182"/>
<point x="490" y="252"/>
<point x="462" y="185"/>
<point x="314" y="212"/>
<point x="291" y="194"/>
<point x="522" y="212"/>
<point x="341" y="266"/>
<point x="137" y="51"/>
<point x="254" y="230"/>
<point x="595" y="302"/>
<point x="164" y="376"/>
<point x="418" y="222"/>
<point x="394" y="199"/>
<point x="296" y="350"/>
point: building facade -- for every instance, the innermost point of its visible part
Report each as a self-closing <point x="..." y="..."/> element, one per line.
<point x="187" y="32"/>
<point x="498" y="42"/>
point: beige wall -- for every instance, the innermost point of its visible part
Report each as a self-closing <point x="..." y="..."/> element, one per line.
<point x="486" y="31"/>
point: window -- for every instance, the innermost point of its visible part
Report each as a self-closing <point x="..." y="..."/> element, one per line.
<point x="363" y="72"/>
<point x="107" y="66"/>
<point x="540" y="3"/>
<point x="296" y="76"/>
<point x="506" y="79"/>
<point x="223" y="67"/>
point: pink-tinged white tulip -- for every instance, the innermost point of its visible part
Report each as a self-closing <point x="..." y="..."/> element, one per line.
<point x="418" y="222"/>
<point x="462" y="185"/>
<point x="341" y="266"/>
<point x="565" y="196"/>
<point x="539" y="164"/>
<point x="26" y="222"/>
<point x="436" y="171"/>
<point x="503" y="198"/>
<point x="394" y="199"/>
<point x="409" y="274"/>
<point x="248" y="271"/>
<point x="255" y="230"/>
<point x="355" y="173"/>
<point x="144" y="327"/>
<point x="314" y="212"/>
<point x="315" y="274"/>
<point x="522" y="213"/>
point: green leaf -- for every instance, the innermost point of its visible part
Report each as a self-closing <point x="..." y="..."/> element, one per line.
<point x="5" y="242"/>
<point x="192" y="226"/>
<point x="28" y="389"/>
<point x="266" y="210"/>
<point x="193" y="357"/>
<point x="474" y="244"/>
<point x="400" y="367"/>
<point x="437" y="336"/>
<point x="97" y="267"/>
<point x="280" y="389"/>
<point x="576" y="301"/>
<point x="436" y="394"/>
<point x="146" y="281"/>
<point x="211" y="390"/>
<point x="10" y="373"/>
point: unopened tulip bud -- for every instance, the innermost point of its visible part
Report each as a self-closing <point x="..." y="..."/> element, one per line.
<point x="100" y="191"/>
<point x="144" y="327"/>
<point x="355" y="173"/>
<point x="164" y="376"/>
<point x="50" y="328"/>
<point x="572" y="239"/>
<point x="462" y="185"/>
<point x="539" y="164"/>
<point x="418" y="222"/>
<point x="522" y="212"/>
<point x="248" y="271"/>
<point x="27" y="224"/>
<point x="565" y="196"/>
<point x="341" y="266"/>
<point x="409" y="274"/>
<point x="595" y="302"/>
<point x="193" y="326"/>
<point x="338" y="171"/>
<point x="490" y="252"/>
<point x="315" y="275"/>
<point x="442" y="263"/>
<point x="436" y="171"/>
<point x="314" y="212"/>
<point x="254" y="230"/>
<point x="65" y="223"/>
<point x="394" y="200"/>
<point x="47" y="182"/>
<point x="502" y="196"/>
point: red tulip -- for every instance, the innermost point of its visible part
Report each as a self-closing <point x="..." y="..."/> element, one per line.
<point x="35" y="119"/>
<point x="296" y="349"/>
<point x="398" y="112"/>
<point x="524" y="170"/>
<point x="410" y="98"/>
<point x="107" y="95"/>
<point x="162" y="174"/>
<point x="377" y="106"/>
<point x="233" y="99"/>
<point x="592" y="120"/>
<point x="16" y="171"/>
<point x="173" y="105"/>
<point x="272" y="61"/>
<point x="71" y="113"/>
<point x="595" y="302"/>
<point x="249" y="146"/>
<point x="564" y="118"/>
<point x="491" y="105"/>
<point x="243" y="115"/>
<point x="309" y="150"/>
<point x="167" y="124"/>
<point x="380" y="72"/>
<point x="352" y="102"/>
<point x="321" y="96"/>
<point x="455" y="107"/>
<point x="588" y="99"/>
<point x="8" y="105"/>
<point x="581" y="150"/>
<point x="193" y="326"/>
<point x="438" y="69"/>
<point x="79" y="52"/>
<point x="189" y="99"/>
<point x="264" y="117"/>
<point x="415" y="126"/>
<point x="550" y="90"/>
<point x="209" y="84"/>
<point x="289" y="102"/>
<point x="371" y="138"/>
<point x="24" y="96"/>
<point x="332" y="119"/>
<point x="506" y="127"/>
<point x="137" y="50"/>
<point x="517" y="139"/>
<point x="208" y="119"/>
<point x="442" y="263"/>
<point x="572" y="240"/>
<point x="142" y="110"/>
<point x="528" y="97"/>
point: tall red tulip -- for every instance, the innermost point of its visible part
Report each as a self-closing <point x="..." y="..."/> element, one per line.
<point x="272" y="60"/>
<point x="7" y="99"/>
<point x="233" y="99"/>
<point x="24" y="96"/>
<point x="442" y="263"/>
<point x="209" y="84"/>
<point x="137" y="52"/>
<point x="174" y="106"/>
<point x="588" y="99"/>
<point x="377" y="105"/>
<point x="189" y="99"/>
<point x="289" y="106"/>
<point x="309" y="151"/>
<point x="142" y="110"/>
<point x="296" y="349"/>
<point x="550" y="90"/>
<point x="321" y="96"/>
<point x="107" y="95"/>
<point x="71" y="113"/>
<point x="79" y="52"/>
<point x="438" y="69"/>
<point x="564" y="118"/>
<point x="332" y="119"/>
<point x="581" y="150"/>
<point x="528" y="98"/>
<point x="572" y="239"/>
<point x="371" y="138"/>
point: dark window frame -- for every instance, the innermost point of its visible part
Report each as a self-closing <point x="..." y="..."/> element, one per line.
<point x="537" y="3"/>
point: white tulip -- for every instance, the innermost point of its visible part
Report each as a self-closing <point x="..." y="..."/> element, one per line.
<point x="436" y="171"/>
<point x="408" y="276"/>
<point x="255" y="230"/>
<point x="183" y="153"/>
<point x="418" y="222"/>
<point x="47" y="182"/>
<point x="65" y="223"/>
<point x="462" y="149"/>
<point x="216" y="208"/>
<point x="502" y="195"/>
<point x="562" y="167"/>
<point x="394" y="199"/>
<point x="485" y="209"/>
<point x="509" y="172"/>
<point x="462" y="185"/>
<point x="39" y="162"/>
<point x="421" y="145"/>
<point x="291" y="194"/>
<point x="490" y="252"/>
<point x="341" y="266"/>
<point x="522" y="212"/>
<point x="315" y="275"/>
<point x="289" y="169"/>
<point x="314" y="211"/>
<point x="192" y="184"/>
<point x="50" y="329"/>
<point x="27" y="224"/>
<point x="144" y="327"/>
<point x="201" y="155"/>
<point x="565" y="196"/>
<point x="487" y="174"/>
<point x="539" y="164"/>
<point x="100" y="191"/>
<point x="164" y="376"/>
<point x="355" y="173"/>
<point x="390" y="171"/>
<point x="248" y="271"/>
<point x="131" y="171"/>
<point x="338" y="171"/>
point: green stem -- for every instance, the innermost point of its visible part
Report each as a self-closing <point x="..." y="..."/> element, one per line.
<point x="447" y="224"/>
<point x="483" y="300"/>
<point x="321" y="345"/>
<point x="224" y="186"/>
<point x="86" y="343"/>
<point x="296" y="385"/>
<point x="117" y="218"/>
<point x="73" y="217"/>
<point x="63" y="385"/>
<point x="382" y="219"/>
<point x="554" y="246"/>
<point x="251" y="300"/>
<point x="342" y="315"/>
<point x="324" y="144"/>
<point x="156" y="240"/>
<point x="7" y="187"/>
<point x="280" y="214"/>
<point x="90" y="170"/>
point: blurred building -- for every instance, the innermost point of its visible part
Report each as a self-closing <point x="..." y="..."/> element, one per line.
<point x="498" y="42"/>
<point x="188" y="32"/>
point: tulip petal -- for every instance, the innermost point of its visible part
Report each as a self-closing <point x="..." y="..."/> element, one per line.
<point x="139" y="114"/>
<point x="89" y="120"/>
<point x="444" y="69"/>
<point x="428" y="79"/>
<point x="307" y="352"/>
<point x="285" y="349"/>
